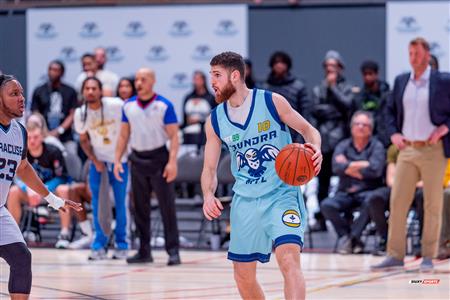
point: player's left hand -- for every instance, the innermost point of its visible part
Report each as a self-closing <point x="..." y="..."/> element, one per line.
<point x="316" y="158"/>
<point x="170" y="171"/>
<point x="69" y="204"/>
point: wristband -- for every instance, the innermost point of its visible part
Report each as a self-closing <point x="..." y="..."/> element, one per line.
<point x="54" y="201"/>
<point x="60" y="130"/>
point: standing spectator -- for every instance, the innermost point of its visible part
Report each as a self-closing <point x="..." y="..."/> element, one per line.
<point x="377" y="202"/>
<point x="196" y="107"/>
<point x="359" y="163"/>
<point x="332" y="104"/>
<point x="98" y="124"/>
<point x="48" y="163"/>
<point x="281" y="81"/>
<point x="249" y="80"/>
<point x="125" y="88"/>
<point x="108" y="79"/>
<point x="57" y="101"/>
<point x="418" y="122"/>
<point x="149" y="122"/>
<point x="444" y="241"/>
<point x="434" y="62"/>
<point x="372" y="97"/>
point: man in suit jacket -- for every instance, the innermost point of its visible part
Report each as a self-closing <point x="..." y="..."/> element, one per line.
<point x="418" y="121"/>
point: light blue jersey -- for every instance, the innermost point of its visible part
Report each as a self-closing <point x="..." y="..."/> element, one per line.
<point x="265" y="212"/>
<point x="253" y="146"/>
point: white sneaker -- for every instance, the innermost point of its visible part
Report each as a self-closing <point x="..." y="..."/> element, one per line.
<point x="120" y="254"/>
<point x="63" y="241"/>
<point x="83" y="243"/>
<point x="97" y="254"/>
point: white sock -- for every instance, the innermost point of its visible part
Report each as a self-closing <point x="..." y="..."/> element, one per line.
<point x="64" y="231"/>
<point x="86" y="227"/>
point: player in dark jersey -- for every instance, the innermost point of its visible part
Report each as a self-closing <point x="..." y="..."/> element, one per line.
<point x="13" y="160"/>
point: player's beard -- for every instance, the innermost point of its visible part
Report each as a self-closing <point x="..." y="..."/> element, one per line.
<point x="225" y="93"/>
<point x="9" y="112"/>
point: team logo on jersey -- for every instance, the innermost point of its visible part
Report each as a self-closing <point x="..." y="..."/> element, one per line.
<point x="254" y="159"/>
<point x="291" y="218"/>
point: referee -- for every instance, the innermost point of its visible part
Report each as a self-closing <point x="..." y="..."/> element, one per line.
<point x="149" y="121"/>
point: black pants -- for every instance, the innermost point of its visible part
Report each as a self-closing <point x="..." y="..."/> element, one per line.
<point x="18" y="257"/>
<point x="146" y="176"/>
<point x="378" y="203"/>
<point x="339" y="211"/>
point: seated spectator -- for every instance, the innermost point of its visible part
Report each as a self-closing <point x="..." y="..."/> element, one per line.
<point x="359" y="163"/>
<point x="37" y="119"/>
<point x="372" y="97"/>
<point x="444" y="241"/>
<point x="125" y="88"/>
<point x="48" y="162"/>
<point x="377" y="203"/>
<point x="57" y="101"/>
<point x="108" y="79"/>
<point x="197" y="106"/>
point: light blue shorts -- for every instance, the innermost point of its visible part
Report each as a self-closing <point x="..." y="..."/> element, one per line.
<point x="260" y="224"/>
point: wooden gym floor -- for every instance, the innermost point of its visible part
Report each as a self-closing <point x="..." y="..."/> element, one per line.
<point x="65" y="274"/>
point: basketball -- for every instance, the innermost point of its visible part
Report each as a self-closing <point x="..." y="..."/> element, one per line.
<point x="294" y="164"/>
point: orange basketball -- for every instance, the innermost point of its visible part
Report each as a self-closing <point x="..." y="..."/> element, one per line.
<point x="294" y="164"/>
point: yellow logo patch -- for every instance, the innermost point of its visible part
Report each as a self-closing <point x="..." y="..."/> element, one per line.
<point x="291" y="218"/>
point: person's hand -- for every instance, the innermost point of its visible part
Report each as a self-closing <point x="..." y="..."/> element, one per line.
<point x="170" y="171"/>
<point x="212" y="207"/>
<point x="69" y="204"/>
<point x="118" y="168"/>
<point x="398" y="140"/>
<point x="437" y="134"/>
<point x="341" y="159"/>
<point x="353" y="172"/>
<point x="317" y="158"/>
<point x="359" y="164"/>
<point x="331" y="78"/>
<point x="99" y="166"/>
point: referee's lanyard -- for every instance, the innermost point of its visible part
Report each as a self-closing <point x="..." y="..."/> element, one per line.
<point x="144" y="104"/>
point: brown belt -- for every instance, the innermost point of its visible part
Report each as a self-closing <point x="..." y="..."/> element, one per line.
<point x="417" y="144"/>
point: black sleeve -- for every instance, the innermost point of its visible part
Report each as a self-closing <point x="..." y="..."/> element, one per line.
<point x="58" y="163"/>
<point x="35" y="101"/>
<point x="73" y="99"/>
<point x="25" y="140"/>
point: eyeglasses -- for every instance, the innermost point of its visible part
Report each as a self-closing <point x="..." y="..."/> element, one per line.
<point x="361" y="124"/>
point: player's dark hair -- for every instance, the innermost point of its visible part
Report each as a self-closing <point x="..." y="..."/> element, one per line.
<point x="60" y="64"/>
<point x="4" y="79"/>
<point x="230" y="61"/>
<point x="100" y="86"/>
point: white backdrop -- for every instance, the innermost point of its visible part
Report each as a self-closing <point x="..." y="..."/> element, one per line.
<point x="173" y="40"/>
<point x="407" y="20"/>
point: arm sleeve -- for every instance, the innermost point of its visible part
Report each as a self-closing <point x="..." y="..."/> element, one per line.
<point x="343" y="95"/>
<point x="339" y="168"/>
<point x="35" y="101"/>
<point x="170" y="117"/>
<point x="124" y="115"/>
<point x="376" y="163"/>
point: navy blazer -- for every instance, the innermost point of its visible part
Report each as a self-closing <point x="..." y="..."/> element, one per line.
<point x="439" y="104"/>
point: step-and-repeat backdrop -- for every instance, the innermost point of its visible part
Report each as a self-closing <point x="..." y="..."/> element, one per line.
<point x="407" y="20"/>
<point x="172" y="40"/>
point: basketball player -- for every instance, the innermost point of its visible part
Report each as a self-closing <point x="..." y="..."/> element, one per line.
<point x="265" y="212"/>
<point x="13" y="148"/>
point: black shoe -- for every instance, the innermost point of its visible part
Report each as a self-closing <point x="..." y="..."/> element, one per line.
<point x="345" y="245"/>
<point x="174" y="260"/>
<point x="380" y="250"/>
<point x="139" y="258"/>
<point x="358" y="246"/>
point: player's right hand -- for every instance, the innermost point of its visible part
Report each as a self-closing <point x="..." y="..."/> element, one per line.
<point x="69" y="204"/>
<point x="117" y="170"/>
<point x="212" y="207"/>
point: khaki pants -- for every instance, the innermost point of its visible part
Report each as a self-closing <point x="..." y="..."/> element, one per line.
<point x="414" y="164"/>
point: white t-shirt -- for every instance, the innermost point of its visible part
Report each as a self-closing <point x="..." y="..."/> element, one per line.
<point x="104" y="136"/>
